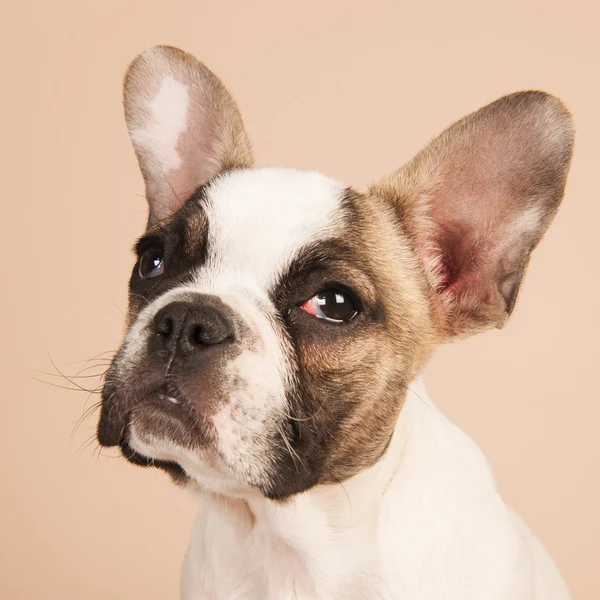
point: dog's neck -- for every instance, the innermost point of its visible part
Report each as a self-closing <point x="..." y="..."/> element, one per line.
<point x="327" y="535"/>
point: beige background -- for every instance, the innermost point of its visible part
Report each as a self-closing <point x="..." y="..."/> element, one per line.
<point x="349" y="88"/>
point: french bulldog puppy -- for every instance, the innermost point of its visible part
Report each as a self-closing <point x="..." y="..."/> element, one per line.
<point x="278" y="324"/>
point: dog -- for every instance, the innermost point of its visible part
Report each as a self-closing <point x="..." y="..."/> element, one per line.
<point x="278" y="325"/>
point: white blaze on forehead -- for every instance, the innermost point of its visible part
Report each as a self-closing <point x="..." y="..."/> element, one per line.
<point x="167" y="121"/>
<point x="258" y="222"/>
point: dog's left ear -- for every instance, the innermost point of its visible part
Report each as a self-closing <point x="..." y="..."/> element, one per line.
<point x="184" y="125"/>
<point x="477" y="200"/>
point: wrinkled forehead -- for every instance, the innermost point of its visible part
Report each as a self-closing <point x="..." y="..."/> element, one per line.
<point x="260" y="220"/>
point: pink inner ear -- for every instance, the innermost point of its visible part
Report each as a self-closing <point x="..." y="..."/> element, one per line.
<point x="483" y="242"/>
<point x="477" y="251"/>
<point x="455" y="253"/>
<point x="483" y="194"/>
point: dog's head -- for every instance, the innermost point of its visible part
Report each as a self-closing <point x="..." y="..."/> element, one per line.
<point x="277" y="317"/>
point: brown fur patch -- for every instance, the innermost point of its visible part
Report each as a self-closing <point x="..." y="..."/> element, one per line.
<point x="352" y="379"/>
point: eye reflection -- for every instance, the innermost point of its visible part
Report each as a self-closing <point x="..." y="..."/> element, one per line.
<point x="151" y="263"/>
<point x="331" y="305"/>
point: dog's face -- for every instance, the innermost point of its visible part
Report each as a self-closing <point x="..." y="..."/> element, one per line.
<point x="269" y="342"/>
<point x="277" y="317"/>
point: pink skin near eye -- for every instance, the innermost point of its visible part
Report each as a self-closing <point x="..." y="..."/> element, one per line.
<point x="314" y="306"/>
<point x="311" y="306"/>
<point x="330" y="305"/>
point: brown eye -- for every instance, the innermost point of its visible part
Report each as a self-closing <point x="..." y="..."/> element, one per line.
<point x="332" y="305"/>
<point x="152" y="263"/>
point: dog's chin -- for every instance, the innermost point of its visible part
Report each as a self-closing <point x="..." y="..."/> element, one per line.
<point x="198" y="467"/>
<point x="151" y="432"/>
<point x="173" y="469"/>
<point x="162" y="431"/>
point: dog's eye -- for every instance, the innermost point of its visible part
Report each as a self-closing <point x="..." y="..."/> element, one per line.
<point x="152" y="263"/>
<point x="332" y="305"/>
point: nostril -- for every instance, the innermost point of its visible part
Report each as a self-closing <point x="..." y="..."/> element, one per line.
<point x="167" y="327"/>
<point x="164" y="326"/>
<point x="187" y="327"/>
<point x="197" y="335"/>
<point x="208" y="333"/>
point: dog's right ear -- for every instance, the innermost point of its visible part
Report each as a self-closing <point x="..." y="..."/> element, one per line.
<point x="184" y="125"/>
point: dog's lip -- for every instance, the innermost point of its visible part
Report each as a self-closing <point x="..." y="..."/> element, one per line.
<point x="132" y="456"/>
<point x="170" y="392"/>
<point x="166" y="397"/>
<point x="174" y="469"/>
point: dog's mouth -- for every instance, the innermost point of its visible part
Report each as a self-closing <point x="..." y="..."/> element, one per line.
<point x="173" y="469"/>
<point x="164" y="409"/>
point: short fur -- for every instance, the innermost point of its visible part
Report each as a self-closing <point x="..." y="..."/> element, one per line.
<point x="322" y="468"/>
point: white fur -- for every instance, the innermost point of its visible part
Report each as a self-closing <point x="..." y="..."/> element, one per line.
<point x="259" y="220"/>
<point x="527" y="222"/>
<point x="168" y="120"/>
<point x="426" y="523"/>
<point x="521" y="227"/>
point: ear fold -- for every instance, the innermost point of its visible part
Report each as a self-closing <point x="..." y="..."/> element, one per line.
<point x="477" y="200"/>
<point x="184" y="126"/>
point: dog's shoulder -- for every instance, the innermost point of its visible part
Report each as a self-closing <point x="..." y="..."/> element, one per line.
<point x="445" y="526"/>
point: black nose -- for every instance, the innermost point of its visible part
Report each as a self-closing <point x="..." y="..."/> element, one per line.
<point x="185" y="327"/>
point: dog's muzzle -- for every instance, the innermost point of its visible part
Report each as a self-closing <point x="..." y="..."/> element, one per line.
<point x="174" y="382"/>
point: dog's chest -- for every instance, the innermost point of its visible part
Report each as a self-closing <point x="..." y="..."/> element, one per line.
<point x="438" y="530"/>
<point x="225" y="561"/>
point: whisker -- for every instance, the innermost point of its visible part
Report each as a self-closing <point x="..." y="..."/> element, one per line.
<point x="115" y="303"/>
<point x="421" y="399"/>
<point x="103" y="454"/>
<point x="146" y="300"/>
<point x="97" y="452"/>
<point x="86" y="413"/>
<point x="74" y="383"/>
<point x="100" y="355"/>
<point x="106" y="366"/>
<point x="78" y="388"/>
<point x="87" y="443"/>
<point x="94" y="376"/>
<point x="345" y="492"/>
<point x="306" y="418"/>
<point x="292" y="452"/>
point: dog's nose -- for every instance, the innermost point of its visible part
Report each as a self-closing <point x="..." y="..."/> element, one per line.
<point x="185" y="327"/>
